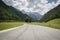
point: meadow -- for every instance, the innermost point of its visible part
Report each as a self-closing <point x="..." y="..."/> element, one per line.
<point x="7" y="25"/>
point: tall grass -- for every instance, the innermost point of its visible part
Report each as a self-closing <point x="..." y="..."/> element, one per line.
<point x="7" y="25"/>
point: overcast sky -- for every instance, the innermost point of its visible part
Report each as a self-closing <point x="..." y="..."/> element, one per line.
<point x="40" y="6"/>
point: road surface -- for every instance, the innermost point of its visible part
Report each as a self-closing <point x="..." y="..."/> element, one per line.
<point x="31" y="32"/>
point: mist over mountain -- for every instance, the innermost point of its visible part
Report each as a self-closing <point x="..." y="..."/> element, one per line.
<point x="34" y="16"/>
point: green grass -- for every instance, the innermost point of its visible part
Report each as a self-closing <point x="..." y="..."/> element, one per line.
<point x="53" y="23"/>
<point x="7" y="25"/>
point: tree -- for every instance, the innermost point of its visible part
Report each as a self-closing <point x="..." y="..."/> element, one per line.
<point x="27" y="19"/>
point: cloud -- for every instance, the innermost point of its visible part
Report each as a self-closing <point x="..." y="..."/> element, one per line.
<point x="40" y="6"/>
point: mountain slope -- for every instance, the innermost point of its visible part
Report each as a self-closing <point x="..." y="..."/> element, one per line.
<point x="19" y="13"/>
<point x="6" y="13"/>
<point x="52" y="14"/>
<point x="10" y="13"/>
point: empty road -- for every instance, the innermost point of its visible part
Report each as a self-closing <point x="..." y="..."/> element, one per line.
<point x="31" y="32"/>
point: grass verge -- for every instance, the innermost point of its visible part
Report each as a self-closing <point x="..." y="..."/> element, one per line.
<point x="53" y="23"/>
<point x="7" y="25"/>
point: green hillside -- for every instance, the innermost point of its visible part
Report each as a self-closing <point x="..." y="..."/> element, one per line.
<point x="8" y="13"/>
<point x="52" y="14"/>
<point x="53" y="23"/>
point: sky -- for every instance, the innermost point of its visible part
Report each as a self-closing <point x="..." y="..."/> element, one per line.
<point x="39" y="6"/>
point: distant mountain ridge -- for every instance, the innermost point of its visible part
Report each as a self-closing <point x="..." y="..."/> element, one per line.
<point x="10" y="13"/>
<point x="52" y="14"/>
<point x="34" y="16"/>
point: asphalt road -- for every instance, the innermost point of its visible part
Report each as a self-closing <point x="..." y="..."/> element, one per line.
<point x="31" y="32"/>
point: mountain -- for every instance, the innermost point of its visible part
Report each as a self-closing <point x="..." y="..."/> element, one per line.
<point x="34" y="16"/>
<point x="19" y="13"/>
<point x="52" y="14"/>
<point x="10" y="13"/>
